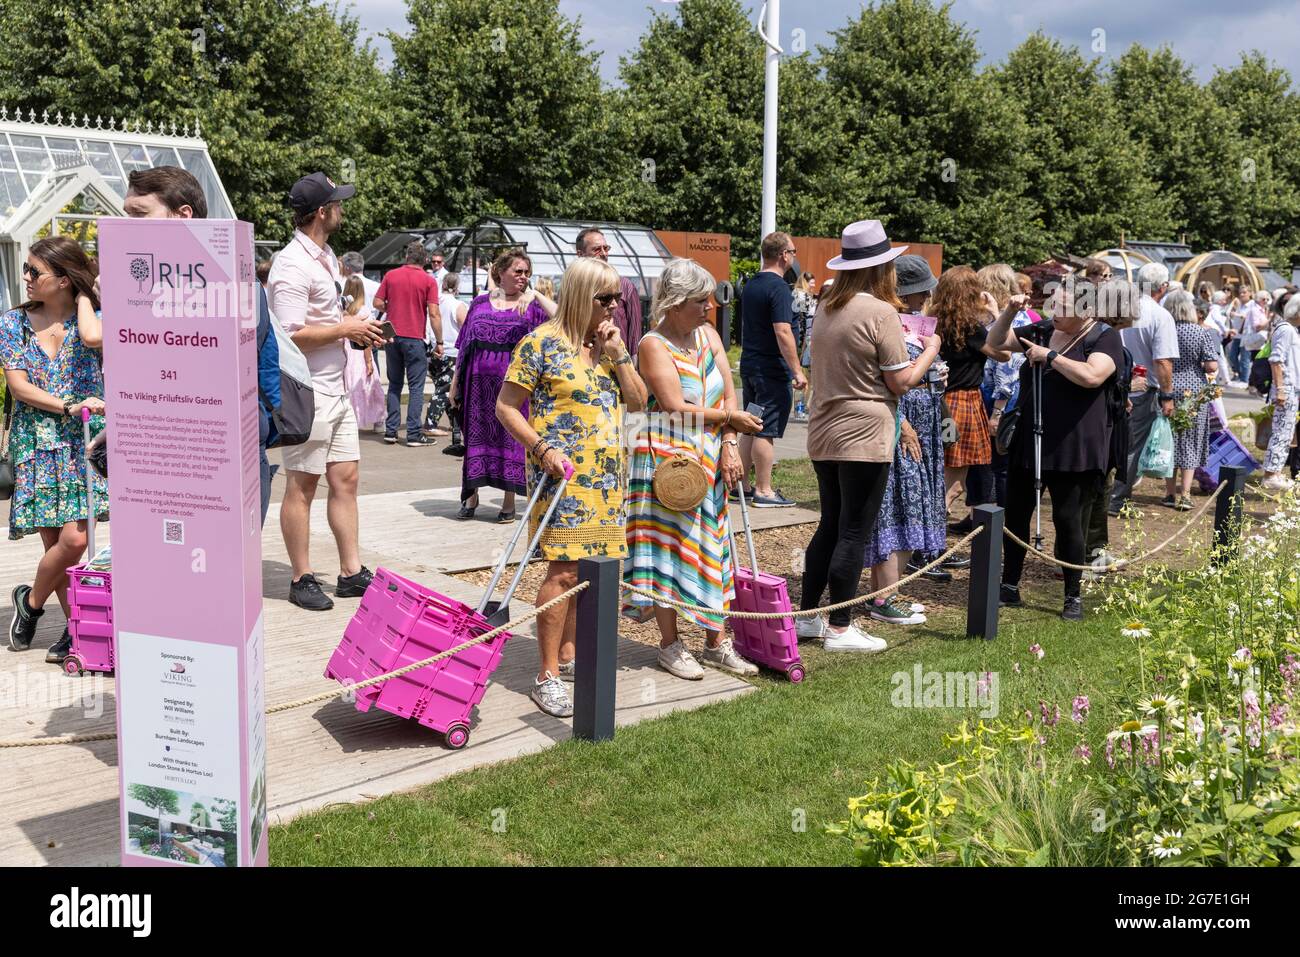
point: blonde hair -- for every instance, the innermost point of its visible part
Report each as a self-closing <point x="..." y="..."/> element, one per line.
<point x="546" y="286"/>
<point x="681" y="281"/>
<point x="999" y="281"/>
<point x="585" y="278"/>
<point x="356" y="289"/>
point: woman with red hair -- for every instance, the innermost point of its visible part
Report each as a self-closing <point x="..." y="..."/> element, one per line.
<point x="964" y="310"/>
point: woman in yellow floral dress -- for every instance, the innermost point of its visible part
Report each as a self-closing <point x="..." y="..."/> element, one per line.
<point x="575" y="374"/>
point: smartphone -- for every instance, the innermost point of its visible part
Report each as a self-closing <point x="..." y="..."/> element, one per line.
<point x="385" y="329"/>
<point x="755" y="409"/>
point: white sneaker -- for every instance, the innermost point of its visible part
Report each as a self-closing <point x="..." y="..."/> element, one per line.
<point x="677" y="661"/>
<point x="852" y="640"/>
<point x="551" y="696"/>
<point x="568" y="669"/>
<point x="814" y="627"/>
<point x="727" y="658"/>
<point x="1277" y="483"/>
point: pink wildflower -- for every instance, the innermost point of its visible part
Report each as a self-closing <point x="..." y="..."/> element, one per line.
<point x="1079" y="709"/>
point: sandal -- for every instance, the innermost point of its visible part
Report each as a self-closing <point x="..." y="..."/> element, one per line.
<point x="467" y="511"/>
<point x="506" y="518"/>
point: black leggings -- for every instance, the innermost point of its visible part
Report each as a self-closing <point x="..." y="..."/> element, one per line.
<point x="1071" y="492"/>
<point x="851" y="493"/>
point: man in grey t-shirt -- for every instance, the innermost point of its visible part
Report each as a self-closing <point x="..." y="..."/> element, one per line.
<point x="1152" y="341"/>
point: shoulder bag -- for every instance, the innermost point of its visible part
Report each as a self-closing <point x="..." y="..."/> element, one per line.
<point x="680" y="481"/>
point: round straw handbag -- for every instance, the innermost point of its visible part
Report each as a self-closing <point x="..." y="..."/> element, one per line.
<point x="680" y="483"/>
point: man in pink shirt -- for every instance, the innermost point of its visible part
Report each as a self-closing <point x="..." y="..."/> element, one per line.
<point x="409" y="296"/>
<point x="304" y="291"/>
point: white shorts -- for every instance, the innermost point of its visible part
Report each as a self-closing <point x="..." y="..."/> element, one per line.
<point x="333" y="438"/>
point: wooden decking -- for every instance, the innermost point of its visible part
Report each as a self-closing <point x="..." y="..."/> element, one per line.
<point x="58" y="805"/>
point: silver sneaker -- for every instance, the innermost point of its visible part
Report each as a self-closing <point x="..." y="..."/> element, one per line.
<point x="677" y="661"/>
<point x="814" y="627"/>
<point x="727" y="658"/>
<point x="552" y="697"/>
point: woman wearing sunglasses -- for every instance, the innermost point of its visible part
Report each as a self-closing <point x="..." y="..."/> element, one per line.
<point x="574" y="374"/>
<point x="48" y="347"/>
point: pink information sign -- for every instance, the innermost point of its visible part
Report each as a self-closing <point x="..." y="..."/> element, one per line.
<point x="180" y="371"/>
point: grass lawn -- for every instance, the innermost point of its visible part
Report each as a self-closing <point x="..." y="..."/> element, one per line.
<point x="731" y="782"/>
<point x="727" y="784"/>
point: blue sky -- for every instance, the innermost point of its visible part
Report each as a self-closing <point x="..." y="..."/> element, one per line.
<point x="1205" y="33"/>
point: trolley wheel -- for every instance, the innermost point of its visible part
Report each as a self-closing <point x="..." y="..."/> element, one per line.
<point x="795" y="673"/>
<point x="73" y="665"/>
<point x="457" y="736"/>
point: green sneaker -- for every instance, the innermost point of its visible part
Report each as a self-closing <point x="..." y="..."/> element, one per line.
<point x="894" y="613"/>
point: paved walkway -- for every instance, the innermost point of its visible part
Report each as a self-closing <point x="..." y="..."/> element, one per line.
<point x="58" y="805"/>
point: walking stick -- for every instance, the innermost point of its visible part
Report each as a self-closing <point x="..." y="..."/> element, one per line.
<point x="1038" y="454"/>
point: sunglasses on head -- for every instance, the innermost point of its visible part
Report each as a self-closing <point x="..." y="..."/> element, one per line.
<point x="606" y="298"/>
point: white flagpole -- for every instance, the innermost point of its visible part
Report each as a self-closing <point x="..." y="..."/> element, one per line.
<point x="770" y="32"/>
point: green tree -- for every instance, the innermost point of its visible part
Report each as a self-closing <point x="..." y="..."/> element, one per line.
<point x="503" y="104"/>
<point x="158" y="800"/>
<point x="694" y="97"/>
<point x="280" y="89"/>
<point x="1090" y="185"/>
<point x="1264" y="196"/>
<point x="940" y="143"/>
<point x="227" y="812"/>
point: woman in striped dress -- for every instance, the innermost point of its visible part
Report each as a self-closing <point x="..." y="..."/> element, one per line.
<point x="685" y="556"/>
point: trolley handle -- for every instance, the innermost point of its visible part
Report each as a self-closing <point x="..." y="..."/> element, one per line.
<point x="749" y="533"/>
<point x="499" y="570"/>
<point x="90" y="484"/>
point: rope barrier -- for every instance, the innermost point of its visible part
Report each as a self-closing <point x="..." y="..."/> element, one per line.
<point x="810" y="612"/>
<point x="1123" y="562"/>
<point x="348" y="689"/>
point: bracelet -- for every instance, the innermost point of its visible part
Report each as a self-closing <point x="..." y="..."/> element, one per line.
<point x="624" y="360"/>
<point x="536" y="445"/>
<point x="67" y="408"/>
<point x="726" y="421"/>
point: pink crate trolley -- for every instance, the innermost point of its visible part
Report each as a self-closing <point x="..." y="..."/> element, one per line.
<point x="771" y="642"/>
<point x="90" y="595"/>
<point x="400" y="622"/>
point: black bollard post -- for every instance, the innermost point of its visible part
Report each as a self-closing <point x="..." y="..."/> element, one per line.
<point x="1229" y="506"/>
<point x="597" y="639"/>
<point x="985" y="573"/>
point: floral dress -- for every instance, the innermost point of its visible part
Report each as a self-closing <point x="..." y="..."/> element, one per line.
<point x="578" y="410"/>
<point x="912" y="516"/>
<point x="46" y="447"/>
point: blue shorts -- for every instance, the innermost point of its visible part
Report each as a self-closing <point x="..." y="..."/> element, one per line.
<point x="774" y="395"/>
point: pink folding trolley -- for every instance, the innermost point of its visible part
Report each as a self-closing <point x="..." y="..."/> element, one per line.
<point x="90" y="593"/>
<point x="770" y="642"/>
<point x="400" y="622"/>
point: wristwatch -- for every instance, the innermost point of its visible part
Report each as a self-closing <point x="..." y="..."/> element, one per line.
<point x="1165" y="396"/>
<point x="1052" y="356"/>
<point x="731" y="442"/>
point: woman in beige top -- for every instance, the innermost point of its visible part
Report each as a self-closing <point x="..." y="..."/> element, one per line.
<point x="862" y="364"/>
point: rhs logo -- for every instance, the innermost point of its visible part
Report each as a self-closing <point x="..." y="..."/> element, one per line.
<point x="141" y="268"/>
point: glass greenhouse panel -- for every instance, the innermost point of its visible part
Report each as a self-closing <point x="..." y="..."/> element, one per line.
<point x="31" y="154"/>
<point x="198" y="163"/>
<point x="100" y="156"/>
<point x="132" y="157"/>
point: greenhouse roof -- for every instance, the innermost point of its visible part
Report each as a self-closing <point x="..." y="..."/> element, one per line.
<point x="32" y="147"/>
<point x="635" y="251"/>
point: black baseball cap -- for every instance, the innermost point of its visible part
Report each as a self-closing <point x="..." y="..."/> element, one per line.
<point x="314" y="191"/>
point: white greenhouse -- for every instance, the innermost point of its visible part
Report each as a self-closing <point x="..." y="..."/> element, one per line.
<point x="58" y="175"/>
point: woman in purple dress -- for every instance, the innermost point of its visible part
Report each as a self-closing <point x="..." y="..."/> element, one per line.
<point x="494" y="325"/>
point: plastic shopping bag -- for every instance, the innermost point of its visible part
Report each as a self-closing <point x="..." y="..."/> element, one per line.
<point x="1218" y="415"/>
<point x="1158" y="456"/>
